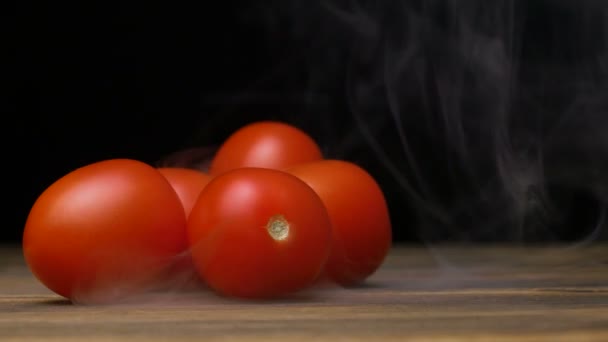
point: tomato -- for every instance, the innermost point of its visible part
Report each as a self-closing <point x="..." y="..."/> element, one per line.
<point x="188" y="183"/>
<point x="259" y="233"/>
<point x="266" y="144"/>
<point x="104" y="231"/>
<point x="359" y="216"/>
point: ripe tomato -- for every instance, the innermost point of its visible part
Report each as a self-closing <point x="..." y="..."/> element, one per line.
<point x="188" y="183"/>
<point x="266" y="144"/>
<point x="259" y="233"/>
<point x="104" y="231"/>
<point x="359" y="215"/>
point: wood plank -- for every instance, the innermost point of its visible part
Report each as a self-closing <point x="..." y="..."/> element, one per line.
<point x="443" y="293"/>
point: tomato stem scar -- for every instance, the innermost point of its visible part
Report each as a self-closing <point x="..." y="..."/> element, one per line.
<point x="278" y="227"/>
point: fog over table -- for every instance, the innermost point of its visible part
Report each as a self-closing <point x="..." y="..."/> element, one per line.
<point x="484" y="294"/>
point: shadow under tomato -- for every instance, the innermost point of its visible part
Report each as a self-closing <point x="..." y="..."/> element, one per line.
<point x="299" y="298"/>
<point x="56" y="302"/>
<point x="368" y="285"/>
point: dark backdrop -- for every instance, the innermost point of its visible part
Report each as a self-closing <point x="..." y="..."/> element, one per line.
<point x="481" y="120"/>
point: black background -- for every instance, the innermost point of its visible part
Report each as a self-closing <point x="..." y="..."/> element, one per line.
<point x="482" y="120"/>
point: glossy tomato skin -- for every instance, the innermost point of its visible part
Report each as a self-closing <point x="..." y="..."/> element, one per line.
<point x="359" y="215"/>
<point x="104" y="231"/>
<point x="265" y="144"/>
<point x="231" y="234"/>
<point x="187" y="183"/>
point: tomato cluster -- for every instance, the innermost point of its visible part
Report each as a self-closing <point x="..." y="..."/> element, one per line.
<point x="270" y="218"/>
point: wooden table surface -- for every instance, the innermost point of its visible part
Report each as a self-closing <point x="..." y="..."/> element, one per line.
<point x="443" y="293"/>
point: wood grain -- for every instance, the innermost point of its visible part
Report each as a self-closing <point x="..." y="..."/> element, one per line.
<point x="443" y="293"/>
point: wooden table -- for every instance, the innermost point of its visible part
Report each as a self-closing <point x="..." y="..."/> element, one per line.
<point x="442" y="293"/>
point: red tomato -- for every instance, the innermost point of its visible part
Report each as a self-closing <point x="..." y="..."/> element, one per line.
<point x="359" y="216"/>
<point x="267" y="144"/>
<point x="104" y="231"/>
<point x="259" y="233"/>
<point x="188" y="184"/>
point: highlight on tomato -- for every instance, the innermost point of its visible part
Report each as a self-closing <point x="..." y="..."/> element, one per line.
<point x="359" y="216"/>
<point x="259" y="233"/>
<point x="265" y="144"/>
<point x="105" y="231"/>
